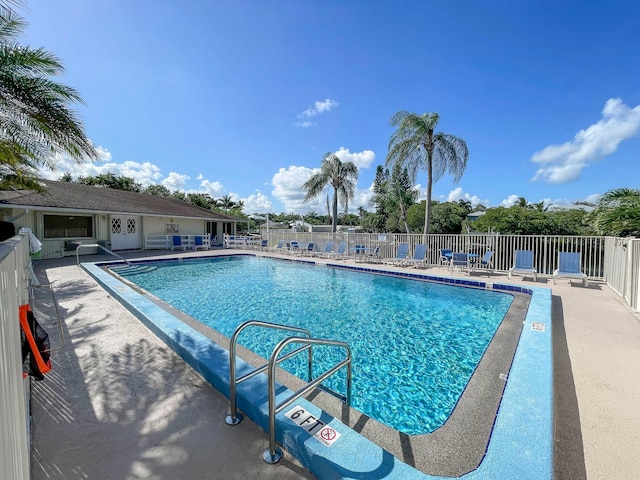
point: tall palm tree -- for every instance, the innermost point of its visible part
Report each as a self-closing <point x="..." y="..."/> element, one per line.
<point x="617" y="213"/>
<point x="416" y="146"/>
<point x="341" y="176"/>
<point x="36" y="124"/>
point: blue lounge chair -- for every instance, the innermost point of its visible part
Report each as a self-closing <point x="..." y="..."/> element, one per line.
<point x="401" y="255"/>
<point x="177" y="243"/>
<point x="341" y="253"/>
<point x="523" y="265"/>
<point x="419" y="256"/>
<point x="328" y="248"/>
<point x="569" y="266"/>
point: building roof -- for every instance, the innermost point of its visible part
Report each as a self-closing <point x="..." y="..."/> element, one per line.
<point x="89" y="198"/>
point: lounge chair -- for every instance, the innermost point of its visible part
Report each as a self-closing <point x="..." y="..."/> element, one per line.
<point x="279" y="247"/>
<point x="341" y="253"/>
<point x="569" y="267"/>
<point x="460" y="260"/>
<point x="523" y="265"/>
<point x="177" y="243"/>
<point x="419" y="256"/>
<point x="445" y="256"/>
<point x="328" y="248"/>
<point x="263" y="244"/>
<point x="401" y="255"/>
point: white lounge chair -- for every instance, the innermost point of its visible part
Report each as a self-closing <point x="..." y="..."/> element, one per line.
<point x="523" y="265"/>
<point x="341" y="253"/>
<point x="569" y="266"/>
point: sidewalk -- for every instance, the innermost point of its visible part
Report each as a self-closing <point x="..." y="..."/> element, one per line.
<point x="119" y="404"/>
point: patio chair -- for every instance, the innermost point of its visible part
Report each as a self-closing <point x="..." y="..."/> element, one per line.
<point x="419" y="256"/>
<point x="401" y="255"/>
<point x="486" y="262"/>
<point x="523" y="265"/>
<point x="198" y="243"/>
<point x="263" y="244"/>
<point x="310" y="248"/>
<point x="569" y="267"/>
<point x="445" y="256"/>
<point x="460" y="260"/>
<point x="373" y="256"/>
<point x="279" y="247"/>
<point x="177" y="243"/>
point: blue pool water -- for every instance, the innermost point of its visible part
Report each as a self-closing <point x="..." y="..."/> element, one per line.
<point x="415" y="344"/>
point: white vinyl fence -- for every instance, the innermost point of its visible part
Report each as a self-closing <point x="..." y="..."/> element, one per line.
<point x="14" y="390"/>
<point x="545" y="247"/>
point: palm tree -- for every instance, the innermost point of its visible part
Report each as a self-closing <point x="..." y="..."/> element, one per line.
<point x="36" y="124"/>
<point x="416" y="146"/>
<point x="341" y="176"/>
<point x="618" y="213"/>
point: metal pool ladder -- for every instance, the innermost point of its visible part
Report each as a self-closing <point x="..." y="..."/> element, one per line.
<point x="273" y="453"/>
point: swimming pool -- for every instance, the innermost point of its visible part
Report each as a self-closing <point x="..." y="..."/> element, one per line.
<point x="517" y="441"/>
<point x="415" y="344"/>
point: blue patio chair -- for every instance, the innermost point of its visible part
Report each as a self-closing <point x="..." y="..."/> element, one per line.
<point x="198" y="243"/>
<point x="486" y="262"/>
<point x="177" y="243"/>
<point x="445" y="256"/>
<point x="569" y="266"/>
<point x="310" y="248"/>
<point x="401" y="255"/>
<point x="373" y="256"/>
<point x="263" y="244"/>
<point x="419" y="256"/>
<point x="460" y="260"/>
<point x="523" y="265"/>
<point x="279" y="247"/>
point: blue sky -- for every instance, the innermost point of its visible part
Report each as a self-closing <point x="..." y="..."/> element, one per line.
<point x="244" y="98"/>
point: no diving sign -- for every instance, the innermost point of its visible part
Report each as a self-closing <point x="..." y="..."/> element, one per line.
<point x="320" y="431"/>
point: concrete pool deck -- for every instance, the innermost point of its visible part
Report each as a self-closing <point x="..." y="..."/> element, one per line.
<point x="107" y="412"/>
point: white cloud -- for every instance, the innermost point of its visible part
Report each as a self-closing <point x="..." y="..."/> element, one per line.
<point x="320" y="106"/>
<point x="144" y="173"/>
<point x="457" y="194"/>
<point x="510" y="201"/>
<point x="564" y="163"/>
<point x="175" y="181"/>
<point x="287" y="188"/>
<point x="257" y="203"/>
<point x="215" y="189"/>
<point x="362" y="159"/>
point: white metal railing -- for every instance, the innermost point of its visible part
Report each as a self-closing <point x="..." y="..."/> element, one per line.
<point x="14" y="414"/>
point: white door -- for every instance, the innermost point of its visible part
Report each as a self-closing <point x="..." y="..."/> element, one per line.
<point x="124" y="233"/>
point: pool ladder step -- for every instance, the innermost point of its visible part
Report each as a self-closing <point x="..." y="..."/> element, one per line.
<point x="302" y="337"/>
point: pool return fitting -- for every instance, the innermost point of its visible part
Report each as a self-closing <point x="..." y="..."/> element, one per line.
<point x="274" y="453"/>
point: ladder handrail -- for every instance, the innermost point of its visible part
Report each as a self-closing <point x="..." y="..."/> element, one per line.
<point x="100" y="247"/>
<point x="274" y="453"/>
<point x="234" y="417"/>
